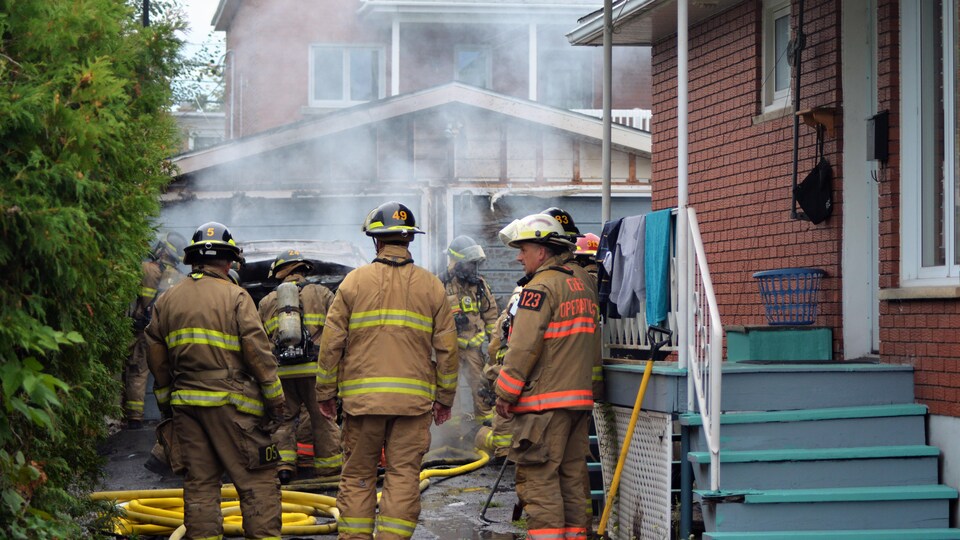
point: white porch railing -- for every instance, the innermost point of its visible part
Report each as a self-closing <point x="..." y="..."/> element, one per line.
<point x="705" y="345"/>
<point x="635" y="118"/>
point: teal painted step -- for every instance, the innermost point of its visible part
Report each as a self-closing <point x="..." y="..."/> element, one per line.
<point x="875" y="425"/>
<point x="888" y="534"/>
<point x="821" y="467"/>
<point x="792" y="385"/>
<point x="899" y="507"/>
<point x="779" y="343"/>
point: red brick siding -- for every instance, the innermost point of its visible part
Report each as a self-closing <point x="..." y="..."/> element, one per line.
<point x="740" y="173"/>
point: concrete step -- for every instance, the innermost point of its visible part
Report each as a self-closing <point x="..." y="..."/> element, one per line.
<point x="898" y="507"/>
<point x="873" y="425"/>
<point x="821" y="467"/>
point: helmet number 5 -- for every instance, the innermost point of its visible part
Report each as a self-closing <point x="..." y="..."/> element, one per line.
<point x="210" y="231"/>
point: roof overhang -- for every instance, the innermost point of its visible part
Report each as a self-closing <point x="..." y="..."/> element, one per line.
<point x="588" y="127"/>
<point x="644" y="22"/>
<point x="222" y="17"/>
<point x="543" y="11"/>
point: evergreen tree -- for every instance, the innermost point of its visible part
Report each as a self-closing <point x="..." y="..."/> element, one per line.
<point x="84" y="133"/>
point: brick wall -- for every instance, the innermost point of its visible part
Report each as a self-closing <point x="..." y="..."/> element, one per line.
<point x="921" y="333"/>
<point x="740" y="169"/>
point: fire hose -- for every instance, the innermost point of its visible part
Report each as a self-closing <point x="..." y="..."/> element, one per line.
<point x="160" y="511"/>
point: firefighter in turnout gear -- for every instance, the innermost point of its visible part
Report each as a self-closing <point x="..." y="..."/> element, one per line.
<point x="546" y="383"/>
<point x="496" y="438"/>
<point x="475" y="314"/>
<point x="217" y="377"/>
<point x="389" y="350"/>
<point x="586" y="253"/>
<point x="160" y="272"/>
<point x="294" y="315"/>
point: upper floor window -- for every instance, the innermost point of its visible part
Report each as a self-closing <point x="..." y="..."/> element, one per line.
<point x="566" y="79"/>
<point x="346" y="75"/>
<point x="472" y="65"/>
<point x="930" y="173"/>
<point x="776" y="69"/>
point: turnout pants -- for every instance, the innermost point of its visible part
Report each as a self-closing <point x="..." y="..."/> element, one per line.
<point x="495" y="440"/>
<point x="218" y="439"/>
<point x="135" y="378"/>
<point x="471" y="371"/>
<point x="404" y="439"/>
<point x="551" y="461"/>
<point x="323" y="432"/>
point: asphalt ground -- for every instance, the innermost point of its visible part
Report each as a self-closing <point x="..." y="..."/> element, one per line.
<point x="451" y="505"/>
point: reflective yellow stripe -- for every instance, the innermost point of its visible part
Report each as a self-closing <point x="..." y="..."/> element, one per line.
<point x="272" y="390"/>
<point x="501" y="441"/>
<point x="355" y="525"/>
<point x="271" y="325"/>
<point x="597" y="373"/>
<point x="162" y="394"/>
<point x="288" y="455"/>
<point x="335" y="460"/>
<point x="203" y="398"/>
<point x="203" y="336"/>
<point x="327" y="376"/>
<point x="397" y="526"/>
<point x="448" y="381"/>
<point x="488" y="329"/>
<point x="298" y="370"/>
<point x="476" y="340"/>
<point x="389" y="385"/>
<point x="391" y="317"/>
<point x="314" y="319"/>
<point x="148" y="293"/>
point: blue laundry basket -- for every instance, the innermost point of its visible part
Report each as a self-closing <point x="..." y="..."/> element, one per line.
<point x="790" y="295"/>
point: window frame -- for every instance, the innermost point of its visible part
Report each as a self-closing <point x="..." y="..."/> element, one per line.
<point x="345" y="92"/>
<point x="486" y="50"/>
<point x="770" y="97"/>
<point x="912" y="182"/>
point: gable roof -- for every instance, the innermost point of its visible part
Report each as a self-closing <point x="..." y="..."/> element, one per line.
<point x="623" y="138"/>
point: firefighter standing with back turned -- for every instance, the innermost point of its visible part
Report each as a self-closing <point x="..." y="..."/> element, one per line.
<point x="475" y="314"/>
<point x="294" y="316"/>
<point x="546" y="382"/>
<point x="388" y="318"/>
<point x="216" y="375"/>
<point x="159" y="274"/>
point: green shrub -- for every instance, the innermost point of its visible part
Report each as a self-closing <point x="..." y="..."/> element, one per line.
<point x="84" y="91"/>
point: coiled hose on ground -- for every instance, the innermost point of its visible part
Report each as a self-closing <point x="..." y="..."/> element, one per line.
<point x="160" y="511"/>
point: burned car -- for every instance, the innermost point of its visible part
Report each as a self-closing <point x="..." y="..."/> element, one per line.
<point x="331" y="261"/>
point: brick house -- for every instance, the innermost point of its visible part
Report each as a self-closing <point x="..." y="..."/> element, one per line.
<point x="473" y="113"/>
<point x="881" y="77"/>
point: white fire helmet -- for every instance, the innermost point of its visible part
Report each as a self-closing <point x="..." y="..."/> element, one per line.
<point x="539" y="228"/>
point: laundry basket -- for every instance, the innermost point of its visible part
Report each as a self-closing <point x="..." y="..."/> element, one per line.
<point x="790" y="295"/>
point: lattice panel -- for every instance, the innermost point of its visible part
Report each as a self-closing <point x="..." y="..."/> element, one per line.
<point x="643" y="503"/>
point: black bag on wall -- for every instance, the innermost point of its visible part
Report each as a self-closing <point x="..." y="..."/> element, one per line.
<point x="815" y="193"/>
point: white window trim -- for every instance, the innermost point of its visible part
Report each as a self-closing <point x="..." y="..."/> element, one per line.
<point x="488" y="68"/>
<point x="912" y="272"/>
<point x="773" y="100"/>
<point x="344" y="47"/>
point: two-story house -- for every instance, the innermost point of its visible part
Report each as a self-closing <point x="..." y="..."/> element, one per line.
<point x="472" y="113"/>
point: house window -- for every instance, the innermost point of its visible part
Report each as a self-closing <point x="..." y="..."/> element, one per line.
<point x="566" y="79"/>
<point x="341" y="76"/>
<point x="472" y="65"/>
<point x="776" y="69"/>
<point x="930" y="174"/>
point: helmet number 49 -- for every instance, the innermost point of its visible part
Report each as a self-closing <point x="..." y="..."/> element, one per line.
<point x="400" y="214"/>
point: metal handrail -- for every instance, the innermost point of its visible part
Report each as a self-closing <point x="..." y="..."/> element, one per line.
<point x="704" y="345"/>
<point x="635" y="118"/>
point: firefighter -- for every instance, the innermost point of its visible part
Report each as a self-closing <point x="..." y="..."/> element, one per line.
<point x="496" y="438"/>
<point x="294" y="322"/>
<point x="389" y="350"/>
<point x="475" y="314"/>
<point x="216" y="376"/>
<point x="160" y="272"/>
<point x="546" y="383"/>
<point x="586" y="253"/>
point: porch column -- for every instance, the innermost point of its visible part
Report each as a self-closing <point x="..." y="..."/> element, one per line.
<point x="532" y="61"/>
<point x="395" y="58"/>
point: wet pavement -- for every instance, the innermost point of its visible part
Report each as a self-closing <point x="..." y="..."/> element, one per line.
<point x="451" y="505"/>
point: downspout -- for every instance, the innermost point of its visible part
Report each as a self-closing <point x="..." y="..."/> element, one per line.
<point x="683" y="291"/>
<point x="796" y="54"/>
<point x="607" y="106"/>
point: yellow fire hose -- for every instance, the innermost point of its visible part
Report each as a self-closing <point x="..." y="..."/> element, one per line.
<point x="160" y="511"/>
